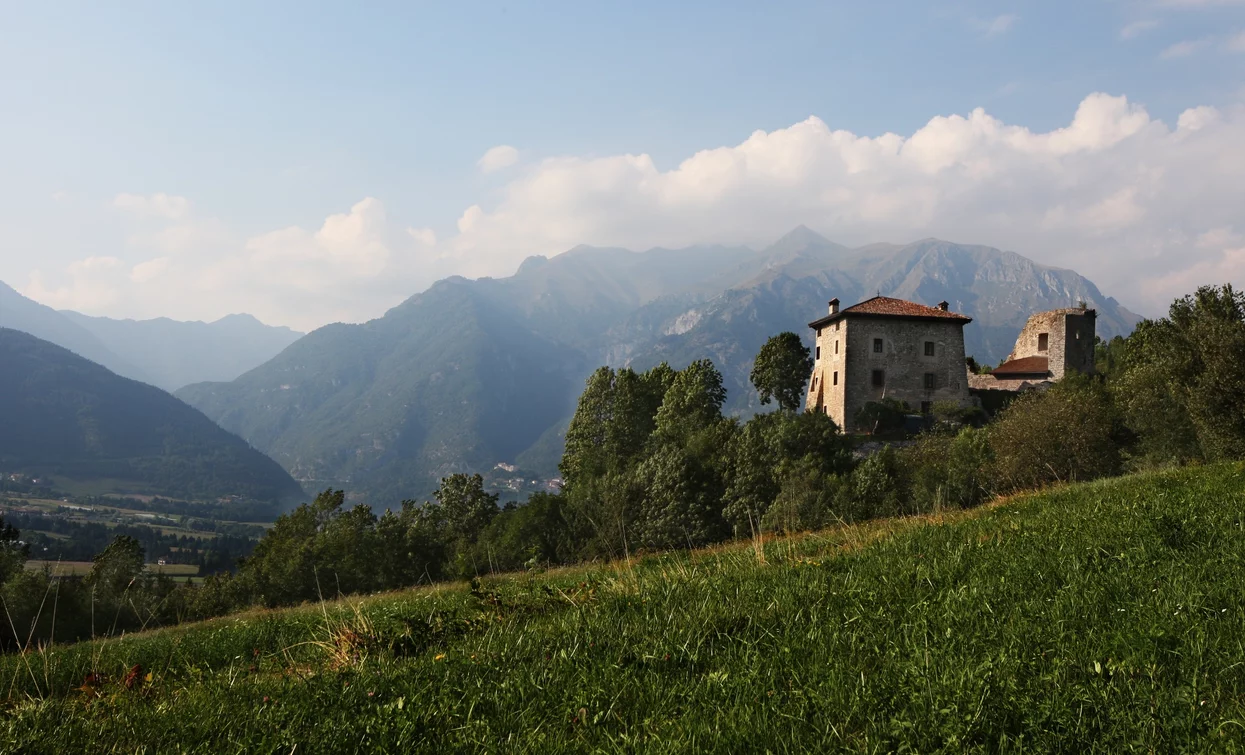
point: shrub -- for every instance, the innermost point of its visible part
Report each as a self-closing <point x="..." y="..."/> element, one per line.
<point x="1066" y="433"/>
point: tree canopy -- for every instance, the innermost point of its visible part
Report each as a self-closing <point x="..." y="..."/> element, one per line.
<point x="781" y="371"/>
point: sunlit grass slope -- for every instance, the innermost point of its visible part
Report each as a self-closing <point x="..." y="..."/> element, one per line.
<point x="1106" y="617"/>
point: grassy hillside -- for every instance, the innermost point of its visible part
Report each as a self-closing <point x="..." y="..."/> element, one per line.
<point x="1106" y="617"/>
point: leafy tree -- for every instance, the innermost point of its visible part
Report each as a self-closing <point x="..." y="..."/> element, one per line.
<point x="693" y="401"/>
<point x="615" y="416"/>
<point x="532" y="534"/>
<point x="682" y="500"/>
<point x="807" y="497"/>
<point x="948" y="469"/>
<point x="117" y="566"/>
<point x="781" y="371"/>
<point x="465" y="505"/>
<point x="760" y="450"/>
<point x="1069" y="432"/>
<point x="1182" y="378"/>
<point x="585" y="436"/>
<point x="13" y="552"/>
<point x="413" y="546"/>
<point x="284" y="568"/>
<point x="877" y="487"/>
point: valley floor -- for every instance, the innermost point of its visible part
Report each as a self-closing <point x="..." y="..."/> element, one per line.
<point x="1098" y="617"/>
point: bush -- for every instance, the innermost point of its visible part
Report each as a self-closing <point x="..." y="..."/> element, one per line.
<point x="950" y="470"/>
<point x="1066" y="433"/>
<point x="875" y="488"/>
<point x="807" y="498"/>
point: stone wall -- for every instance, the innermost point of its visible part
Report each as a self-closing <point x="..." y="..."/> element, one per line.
<point x="1070" y="340"/>
<point x="826" y="390"/>
<point x="848" y="350"/>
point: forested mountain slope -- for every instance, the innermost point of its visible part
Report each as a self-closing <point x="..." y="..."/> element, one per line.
<point x="70" y="418"/>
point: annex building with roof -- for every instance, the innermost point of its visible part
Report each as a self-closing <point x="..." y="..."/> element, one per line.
<point x="1051" y="344"/>
<point x="887" y="348"/>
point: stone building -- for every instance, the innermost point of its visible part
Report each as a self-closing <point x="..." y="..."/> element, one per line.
<point x="887" y="348"/>
<point x="1051" y="343"/>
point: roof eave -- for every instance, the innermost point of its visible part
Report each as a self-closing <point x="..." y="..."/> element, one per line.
<point x="824" y="321"/>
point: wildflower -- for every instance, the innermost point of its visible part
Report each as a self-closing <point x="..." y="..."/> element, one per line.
<point x="439" y="657"/>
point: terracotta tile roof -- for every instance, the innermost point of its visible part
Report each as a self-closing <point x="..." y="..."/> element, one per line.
<point x="1024" y="366"/>
<point x="885" y="306"/>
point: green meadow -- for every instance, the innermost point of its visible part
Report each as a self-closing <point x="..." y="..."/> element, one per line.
<point x="1106" y="617"/>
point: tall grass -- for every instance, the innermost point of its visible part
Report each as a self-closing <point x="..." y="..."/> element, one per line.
<point x="1107" y="617"/>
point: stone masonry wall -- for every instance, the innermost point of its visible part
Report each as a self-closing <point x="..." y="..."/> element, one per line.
<point x="904" y="363"/>
<point x="1070" y="340"/>
<point x="825" y="391"/>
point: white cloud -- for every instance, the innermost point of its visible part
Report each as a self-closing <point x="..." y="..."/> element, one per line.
<point x="1140" y="207"/>
<point x="497" y="158"/>
<point x="1114" y="194"/>
<point x="1184" y="49"/>
<point x="423" y="236"/>
<point x="1236" y="43"/>
<point x="999" y="24"/>
<point x="1137" y="28"/>
<point x="145" y="272"/>
<point x="153" y="205"/>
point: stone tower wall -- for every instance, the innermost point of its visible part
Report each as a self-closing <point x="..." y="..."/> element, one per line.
<point x="823" y="392"/>
<point x="904" y="363"/>
<point x="848" y="350"/>
<point x="1070" y="340"/>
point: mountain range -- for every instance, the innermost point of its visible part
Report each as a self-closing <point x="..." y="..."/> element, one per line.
<point x="72" y="419"/>
<point x="165" y="353"/>
<point x="471" y="374"/>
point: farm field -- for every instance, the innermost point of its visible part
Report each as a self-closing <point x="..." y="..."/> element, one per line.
<point x="1098" y="617"/>
<point x="82" y="568"/>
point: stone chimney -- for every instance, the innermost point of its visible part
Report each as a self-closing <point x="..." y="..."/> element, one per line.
<point x="834" y="306"/>
<point x="943" y="305"/>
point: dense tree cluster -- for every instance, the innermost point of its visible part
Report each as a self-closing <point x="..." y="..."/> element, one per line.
<point x="651" y="463"/>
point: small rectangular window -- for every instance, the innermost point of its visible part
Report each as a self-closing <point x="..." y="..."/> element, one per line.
<point x="929" y="381"/>
<point x="926" y="407"/>
<point x="879" y="378"/>
<point x="818" y="356"/>
<point x="836" y="379"/>
<point x="1043" y="339"/>
<point x="877" y="346"/>
<point x="836" y="346"/>
<point x="929" y="348"/>
<point x="836" y="327"/>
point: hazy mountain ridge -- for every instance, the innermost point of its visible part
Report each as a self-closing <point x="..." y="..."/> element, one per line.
<point x="385" y="407"/>
<point x="176" y="353"/>
<point x="447" y="381"/>
<point x="78" y="420"/>
<point x="162" y="352"/>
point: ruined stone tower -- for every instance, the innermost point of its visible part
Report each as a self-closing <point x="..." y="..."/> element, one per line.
<point x="1063" y="338"/>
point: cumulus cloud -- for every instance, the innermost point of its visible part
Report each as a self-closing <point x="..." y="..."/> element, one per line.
<point x="497" y="158"/>
<point x="1114" y="194"/>
<point x="1141" y="207"/>
<point x="1137" y="28"/>
<point x="153" y="205"/>
<point x="1184" y="49"/>
<point x="145" y="272"/>
<point x="999" y="24"/>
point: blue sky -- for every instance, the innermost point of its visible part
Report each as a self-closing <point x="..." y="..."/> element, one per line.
<point x="271" y="116"/>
